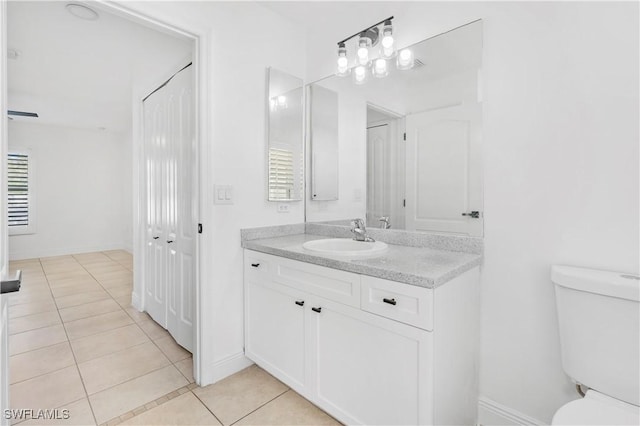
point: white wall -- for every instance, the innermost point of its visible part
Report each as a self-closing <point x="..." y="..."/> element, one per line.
<point x="561" y="167"/>
<point x="79" y="180"/>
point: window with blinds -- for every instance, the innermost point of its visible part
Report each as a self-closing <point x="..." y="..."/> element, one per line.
<point x="282" y="179"/>
<point x="18" y="191"/>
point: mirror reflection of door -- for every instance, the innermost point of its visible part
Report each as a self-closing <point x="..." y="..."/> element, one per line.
<point x="444" y="170"/>
<point x="385" y="161"/>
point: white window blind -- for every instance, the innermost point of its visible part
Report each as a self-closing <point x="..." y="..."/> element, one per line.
<point x="18" y="190"/>
<point x="281" y="179"/>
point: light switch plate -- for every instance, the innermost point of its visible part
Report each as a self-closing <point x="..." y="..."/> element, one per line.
<point x="283" y="208"/>
<point x="222" y="194"/>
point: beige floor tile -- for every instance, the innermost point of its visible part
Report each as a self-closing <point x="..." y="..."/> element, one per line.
<point x="71" y="289"/>
<point x="17" y="311"/>
<point x="288" y="409"/>
<point x="124" y="301"/>
<point x="171" y="349"/>
<point x="138" y="316"/>
<point x="153" y="329"/>
<point x="115" y="282"/>
<point x="67" y="274"/>
<point x="49" y="390"/>
<point x="78" y="279"/>
<point x="186" y="368"/>
<point x="36" y="339"/>
<point x="32" y="322"/>
<point x="41" y="361"/>
<point x="120" y="291"/>
<point x="183" y="410"/>
<point x="236" y="396"/>
<point x="107" y="342"/>
<point x="134" y="393"/>
<point x="80" y="298"/>
<point x="30" y="297"/>
<point x="93" y="325"/>
<point x="80" y="414"/>
<point x="89" y="310"/>
<point x="119" y="367"/>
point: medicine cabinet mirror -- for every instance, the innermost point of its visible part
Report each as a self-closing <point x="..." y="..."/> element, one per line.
<point x="285" y="136"/>
<point x="407" y="147"/>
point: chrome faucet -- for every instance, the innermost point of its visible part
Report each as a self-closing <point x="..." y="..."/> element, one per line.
<point x="360" y="231"/>
<point x="385" y="223"/>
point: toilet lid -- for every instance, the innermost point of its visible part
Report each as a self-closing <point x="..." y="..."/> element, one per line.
<point x="597" y="409"/>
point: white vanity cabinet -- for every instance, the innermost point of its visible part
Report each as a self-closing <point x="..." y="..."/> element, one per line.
<point x="364" y="349"/>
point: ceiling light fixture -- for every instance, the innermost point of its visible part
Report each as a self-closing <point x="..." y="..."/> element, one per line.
<point x="82" y="11"/>
<point x="379" y="67"/>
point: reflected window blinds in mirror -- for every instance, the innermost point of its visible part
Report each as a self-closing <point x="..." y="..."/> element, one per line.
<point x="285" y="138"/>
<point x="410" y="141"/>
<point x="324" y="144"/>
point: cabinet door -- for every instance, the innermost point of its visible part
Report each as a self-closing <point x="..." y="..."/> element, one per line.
<point x="370" y="370"/>
<point x="275" y="327"/>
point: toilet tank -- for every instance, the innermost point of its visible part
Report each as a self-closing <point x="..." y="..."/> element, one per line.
<point x="599" y="321"/>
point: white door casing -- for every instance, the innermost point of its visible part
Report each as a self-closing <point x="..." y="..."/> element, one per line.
<point x="4" y="304"/>
<point x="444" y="177"/>
<point x="171" y="207"/>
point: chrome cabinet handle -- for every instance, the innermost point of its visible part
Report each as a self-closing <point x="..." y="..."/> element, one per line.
<point x="255" y="265"/>
<point x="300" y="302"/>
<point x="318" y="310"/>
<point x="155" y="238"/>
<point x="390" y="301"/>
<point x="169" y="241"/>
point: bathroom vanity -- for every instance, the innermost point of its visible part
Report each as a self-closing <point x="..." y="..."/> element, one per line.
<point x="391" y="339"/>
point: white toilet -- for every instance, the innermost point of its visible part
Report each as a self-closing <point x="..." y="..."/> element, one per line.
<point x="599" y="318"/>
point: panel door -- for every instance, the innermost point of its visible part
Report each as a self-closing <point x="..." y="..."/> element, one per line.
<point x="181" y="207"/>
<point x="275" y="328"/>
<point x="378" y="174"/>
<point x="368" y="369"/>
<point x="4" y="303"/>
<point x="444" y="170"/>
<point x="155" y="132"/>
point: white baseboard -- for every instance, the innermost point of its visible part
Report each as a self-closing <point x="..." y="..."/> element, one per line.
<point x="37" y="252"/>
<point x="224" y="368"/>
<point x="136" y="302"/>
<point x="492" y="413"/>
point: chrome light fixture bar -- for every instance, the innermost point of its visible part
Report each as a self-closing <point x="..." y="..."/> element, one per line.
<point x="363" y="65"/>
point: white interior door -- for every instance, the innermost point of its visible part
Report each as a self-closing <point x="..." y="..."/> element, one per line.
<point x="170" y="174"/>
<point x="181" y="208"/>
<point x="443" y="170"/>
<point x="155" y="127"/>
<point x="378" y="173"/>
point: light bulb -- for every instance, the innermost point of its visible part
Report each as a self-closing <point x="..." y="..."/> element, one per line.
<point x="405" y="59"/>
<point x="343" y="62"/>
<point x="363" y="51"/>
<point x="282" y="101"/>
<point x="380" y="68"/>
<point x="387" y="45"/>
<point x="360" y="74"/>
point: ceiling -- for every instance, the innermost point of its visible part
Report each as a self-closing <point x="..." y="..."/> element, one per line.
<point x="80" y="73"/>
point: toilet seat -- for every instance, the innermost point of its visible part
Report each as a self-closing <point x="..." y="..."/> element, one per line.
<point x="597" y="409"/>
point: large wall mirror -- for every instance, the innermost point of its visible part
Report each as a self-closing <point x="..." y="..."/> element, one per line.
<point x="406" y="146"/>
<point x="285" y="136"/>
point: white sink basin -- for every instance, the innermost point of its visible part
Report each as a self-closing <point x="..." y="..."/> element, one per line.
<point x="346" y="247"/>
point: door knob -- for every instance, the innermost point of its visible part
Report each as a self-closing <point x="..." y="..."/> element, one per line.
<point x="473" y="214"/>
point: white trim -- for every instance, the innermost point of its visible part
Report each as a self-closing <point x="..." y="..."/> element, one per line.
<point x="135" y="301"/>
<point x="227" y="366"/>
<point x="493" y="413"/>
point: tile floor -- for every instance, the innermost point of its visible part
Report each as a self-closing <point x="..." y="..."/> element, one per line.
<point x="77" y="344"/>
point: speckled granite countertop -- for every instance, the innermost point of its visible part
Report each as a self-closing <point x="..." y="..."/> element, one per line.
<point x="419" y="266"/>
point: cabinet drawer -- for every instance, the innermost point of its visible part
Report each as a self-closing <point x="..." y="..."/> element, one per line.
<point x="332" y="284"/>
<point x="256" y="266"/>
<point x="401" y="302"/>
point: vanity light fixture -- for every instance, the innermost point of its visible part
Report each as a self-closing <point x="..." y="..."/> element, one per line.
<point x="379" y="67"/>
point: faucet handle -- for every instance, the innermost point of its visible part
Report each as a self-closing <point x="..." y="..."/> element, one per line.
<point x="357" y="223"/>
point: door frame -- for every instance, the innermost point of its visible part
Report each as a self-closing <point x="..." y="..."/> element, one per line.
<point x="203" y="371"/>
